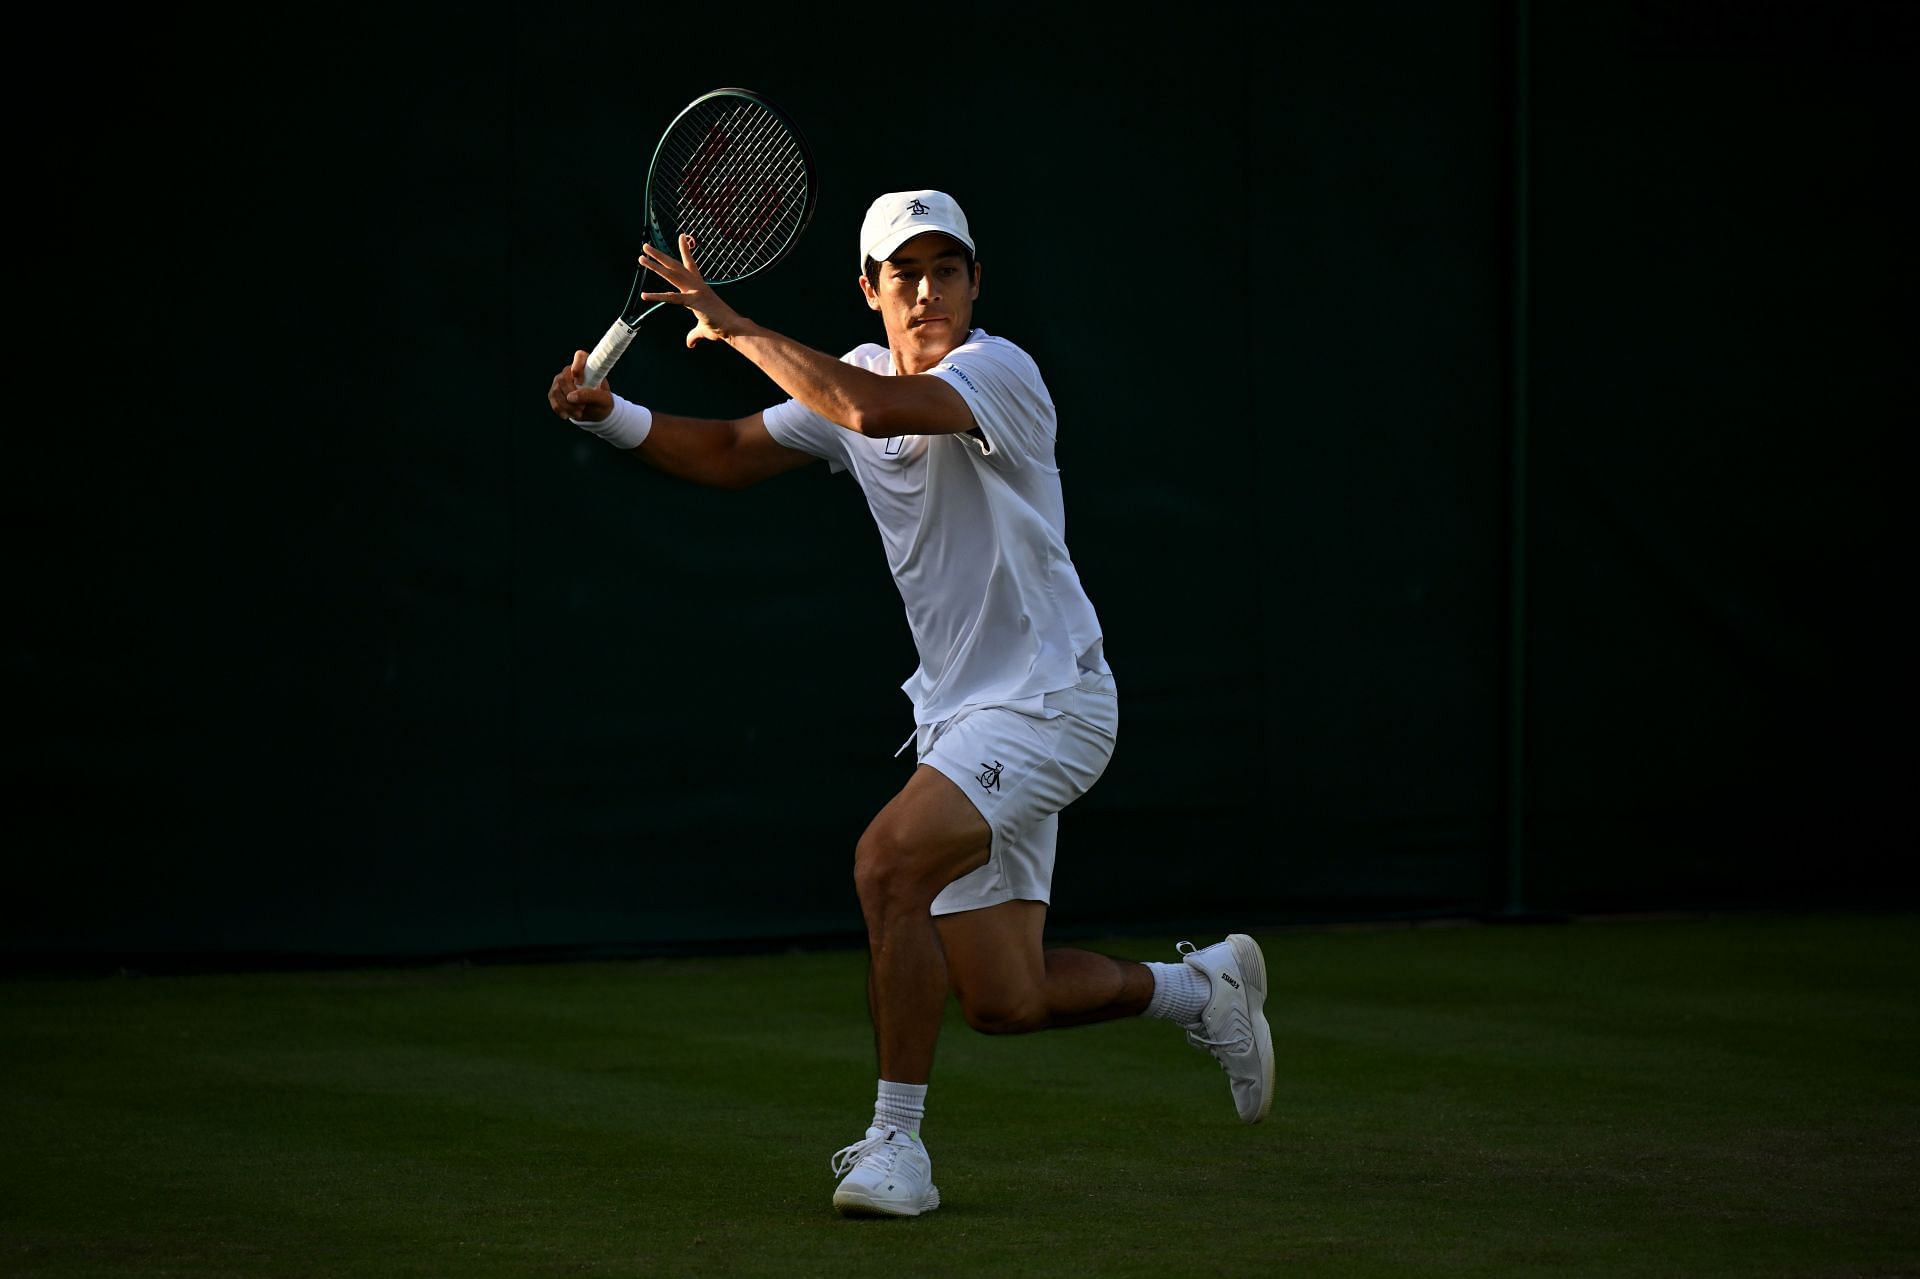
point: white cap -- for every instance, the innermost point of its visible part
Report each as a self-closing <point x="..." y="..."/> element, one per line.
<point x="894" y="219"/>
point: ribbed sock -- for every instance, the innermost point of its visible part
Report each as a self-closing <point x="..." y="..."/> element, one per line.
<point x="900" y="1106"/>
<point x="1180" y="993"/>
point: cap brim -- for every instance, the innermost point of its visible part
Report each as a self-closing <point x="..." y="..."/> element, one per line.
<point x="888" y="245"/>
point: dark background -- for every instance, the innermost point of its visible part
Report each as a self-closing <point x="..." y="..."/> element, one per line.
<point x="1478" y="426"/>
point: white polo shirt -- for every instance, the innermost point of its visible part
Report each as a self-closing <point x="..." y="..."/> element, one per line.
<point x="975" y="532"/>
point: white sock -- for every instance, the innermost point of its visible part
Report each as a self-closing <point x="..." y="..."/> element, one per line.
<point x="900" y="1106"/>
<point x="1180" y="993"/>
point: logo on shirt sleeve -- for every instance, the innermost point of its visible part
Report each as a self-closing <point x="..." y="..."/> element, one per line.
<point x="961" y="373"/>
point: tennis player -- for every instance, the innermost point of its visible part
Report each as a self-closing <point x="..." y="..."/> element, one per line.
<point x="950" y="433"/>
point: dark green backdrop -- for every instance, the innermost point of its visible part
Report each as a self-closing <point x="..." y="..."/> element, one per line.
<point x="332" y="642"/>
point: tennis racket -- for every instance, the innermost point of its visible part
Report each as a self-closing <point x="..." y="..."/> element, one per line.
<point x="733" y="172"/>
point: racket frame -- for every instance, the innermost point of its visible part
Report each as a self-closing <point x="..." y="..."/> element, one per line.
<point x="620" y="334"/>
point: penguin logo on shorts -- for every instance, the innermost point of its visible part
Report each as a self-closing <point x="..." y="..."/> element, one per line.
<point x="990" y="776"/>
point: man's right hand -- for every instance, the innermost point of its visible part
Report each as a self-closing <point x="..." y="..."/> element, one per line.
<point x="575" y="402"/>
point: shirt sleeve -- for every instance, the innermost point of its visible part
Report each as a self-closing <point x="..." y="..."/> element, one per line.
<point x="1012" y="411"/>
<point x="796" y="426"/>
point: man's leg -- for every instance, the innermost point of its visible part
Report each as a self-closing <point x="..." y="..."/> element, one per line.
<point x="928" y="836"/>
<point x="1008" y="984"/>
<point x="925" y="838"/>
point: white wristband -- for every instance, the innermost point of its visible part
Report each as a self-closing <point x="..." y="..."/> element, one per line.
<point x="624" y="428"/>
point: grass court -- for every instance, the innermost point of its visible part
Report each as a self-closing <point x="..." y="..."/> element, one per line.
<point x="1704" y="1096"/>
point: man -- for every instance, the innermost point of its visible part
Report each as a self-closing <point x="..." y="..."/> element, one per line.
<point x="950" y="433"/>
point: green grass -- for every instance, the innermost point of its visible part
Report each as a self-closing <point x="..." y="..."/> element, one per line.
<point x="1734" y="1096"/>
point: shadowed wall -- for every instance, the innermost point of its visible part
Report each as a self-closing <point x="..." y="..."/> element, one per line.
<point x="336" y="643"/>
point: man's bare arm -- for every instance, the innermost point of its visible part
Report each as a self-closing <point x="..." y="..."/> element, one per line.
<point x="721" y="454"/>
<point x="867" y="403"/>
<point x="728" y="454"/>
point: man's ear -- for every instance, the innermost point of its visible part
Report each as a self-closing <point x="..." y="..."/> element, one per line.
<point x="866" y="288"/>
<point x="976" y="282"/>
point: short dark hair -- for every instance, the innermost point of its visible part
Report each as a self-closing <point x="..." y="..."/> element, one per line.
<point x="873" y="268"/>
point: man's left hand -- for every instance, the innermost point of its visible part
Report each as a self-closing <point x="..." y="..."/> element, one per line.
<point x="715" y="320"/>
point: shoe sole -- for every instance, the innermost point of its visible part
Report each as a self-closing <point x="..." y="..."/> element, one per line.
<point x="852" y="1203"/>
<point x="1253" y="971"/>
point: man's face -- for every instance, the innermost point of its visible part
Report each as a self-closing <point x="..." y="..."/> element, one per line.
<point x="925" y="295"/>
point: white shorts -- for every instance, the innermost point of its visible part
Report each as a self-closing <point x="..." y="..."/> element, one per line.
<point x="1020" y="765"/>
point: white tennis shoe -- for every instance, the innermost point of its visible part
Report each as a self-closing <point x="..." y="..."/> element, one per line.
<point x="889" y="1174"/>
<point x="1232" y="1027"/>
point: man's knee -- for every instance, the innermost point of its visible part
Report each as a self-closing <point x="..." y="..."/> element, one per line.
<point x="886" y="871"/>
<point x="1004" y="1012"/>
<point x="897" y="865"/>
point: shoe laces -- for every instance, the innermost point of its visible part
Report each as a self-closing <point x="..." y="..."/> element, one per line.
<point x="876" y="1147"/>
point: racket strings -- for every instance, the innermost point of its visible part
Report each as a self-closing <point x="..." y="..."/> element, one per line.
<point x="738" y="180"/>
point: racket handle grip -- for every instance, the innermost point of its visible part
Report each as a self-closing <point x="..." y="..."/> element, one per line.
<point x="608" y="353"/>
